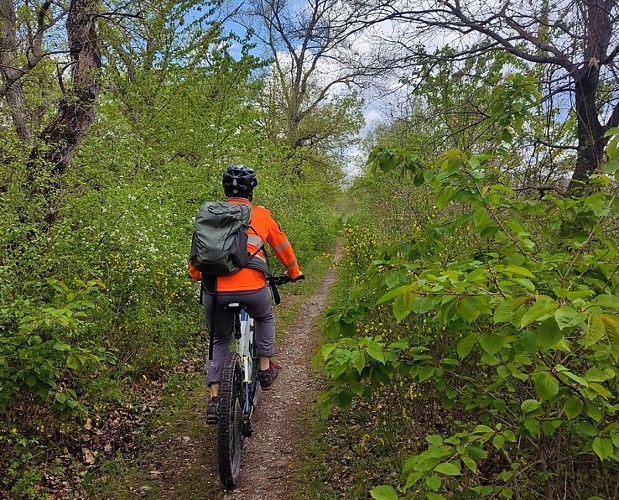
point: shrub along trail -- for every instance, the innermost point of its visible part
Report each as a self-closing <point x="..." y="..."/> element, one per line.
<point x="184" y="465"/>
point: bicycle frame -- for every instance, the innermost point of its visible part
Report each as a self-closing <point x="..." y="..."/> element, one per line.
<point x="244" y="334"/>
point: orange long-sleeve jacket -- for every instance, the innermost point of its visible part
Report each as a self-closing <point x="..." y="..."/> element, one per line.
<point x="263" y="229"/>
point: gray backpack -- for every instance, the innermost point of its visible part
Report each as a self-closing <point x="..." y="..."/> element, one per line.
<point x="219" y="242"/>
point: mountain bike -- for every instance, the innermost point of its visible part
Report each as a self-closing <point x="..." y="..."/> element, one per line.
<point x="238" y="393"/>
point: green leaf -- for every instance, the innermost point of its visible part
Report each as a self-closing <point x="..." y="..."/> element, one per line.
<point x="612" y="149"/>
<point x="541" y="308"/>
<point x="413" y="477"/>
<point x="392" y="294"/>
<point x="526" y="283"/>
<point x="601" y="390"/>
<point x="595" y="330"/>
<point x="612" y="333"/>
<point x="519" y="270"/>
<point x="434" y="439"/>
<point x="402" y="306"/>
<point x="563" y="371"/>
<point x="492" y="344"/>
<point x="468" y="308"/>
<point x="529" y="340"/>
<point x="509" y="435"/>
<point x="530" y="405"/>
<point x="434" y="496"/>
<point x="466" y="344"/>
<point x="611" y="131"/>
<point x="399" y="344"/>
<point x="375" y="351"/>
<point x="586" y="429"/>
<point x="357" y="359"/>
<point x="606" y="300"/>
<point x="384" y="492"/>
<point x="31" y="381"/>
<point x="344" y="398"/>
<point x="425" y="372"/>
<point x="476" y="452"/>
<point x="507" y="492"/>
<point x="433" y="482"/>
<point x="603" y="447"/>
<point x="448" y="468"/>
<point x="532" y="425"/>
<point x="498" y="441"/>
<point x="470" y="463"/>
<point x="550" y="426"/>
<point x="593" y="411"/>
<point x="444" y="196"/>
<point x="73" y="362"/>
<point x="482" y="429"/>
<point x="567" y="317"/>
<point x="504" y="313"/>
<point x="598" y="375"/>
<point x="546" y="385"/>
<point x="548" y="333"/>
<point x="437" y="451"/>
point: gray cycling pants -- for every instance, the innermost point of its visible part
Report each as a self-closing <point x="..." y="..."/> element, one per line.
<point x="258" y="305"/>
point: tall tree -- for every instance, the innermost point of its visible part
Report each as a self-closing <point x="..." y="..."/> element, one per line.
<point x="307" y="42"/>
<point x="25" y="41"/>
<point x="577" y="40"/>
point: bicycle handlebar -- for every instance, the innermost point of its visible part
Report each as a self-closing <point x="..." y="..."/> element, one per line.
<point x="282" y="279"/>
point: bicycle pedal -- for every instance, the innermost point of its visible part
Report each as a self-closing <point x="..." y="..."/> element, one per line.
<point x="211" y="419"/>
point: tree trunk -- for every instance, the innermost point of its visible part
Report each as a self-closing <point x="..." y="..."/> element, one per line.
<point x="590" y="132"/>
<point x="10" y="72"/>
<point x="76" y="110"/>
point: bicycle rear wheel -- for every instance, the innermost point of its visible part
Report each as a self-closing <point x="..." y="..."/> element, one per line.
<point x="255" y="390"/>
<point x="230" y="421"/>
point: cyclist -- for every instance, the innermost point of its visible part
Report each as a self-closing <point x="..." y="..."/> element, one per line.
<point x="247" y="286"/>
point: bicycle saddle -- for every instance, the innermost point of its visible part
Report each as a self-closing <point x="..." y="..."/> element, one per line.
<point x="234" y="306"/>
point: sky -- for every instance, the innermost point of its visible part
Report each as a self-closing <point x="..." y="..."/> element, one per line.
<point x="375" y="103"/>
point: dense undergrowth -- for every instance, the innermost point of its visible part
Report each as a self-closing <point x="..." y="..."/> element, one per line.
<point x="485" y="346"/>
<point x="474" y="351"/>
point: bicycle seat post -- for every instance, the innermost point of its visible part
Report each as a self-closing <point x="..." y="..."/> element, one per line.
<point x="236" y="309"/>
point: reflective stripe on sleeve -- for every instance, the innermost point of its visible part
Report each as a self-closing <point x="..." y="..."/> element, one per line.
<point x="281" y="246"/>
<point x="290" y="265"/>
<point x="252" y="239"/>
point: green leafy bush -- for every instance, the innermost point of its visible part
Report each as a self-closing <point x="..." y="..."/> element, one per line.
<point x="41" y="342"/>
<point x="522" y="297"/>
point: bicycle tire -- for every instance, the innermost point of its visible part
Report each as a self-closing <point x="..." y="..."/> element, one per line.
<point x="255" y="389"/>
<point x="230" y="421"/>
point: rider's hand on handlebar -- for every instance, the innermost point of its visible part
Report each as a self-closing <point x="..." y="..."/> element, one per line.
<point x="300" y="277"/>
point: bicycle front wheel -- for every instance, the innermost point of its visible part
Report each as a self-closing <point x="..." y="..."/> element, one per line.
<point x="230" y="421"/>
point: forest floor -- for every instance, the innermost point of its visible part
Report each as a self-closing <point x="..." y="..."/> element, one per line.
<point x="182" y="462"/>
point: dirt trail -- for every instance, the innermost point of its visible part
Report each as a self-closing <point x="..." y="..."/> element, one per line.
<point x="279" y="420"/>
<point x="183" y="465"/>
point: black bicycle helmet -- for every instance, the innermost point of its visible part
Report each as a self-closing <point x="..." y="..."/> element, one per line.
<point x="239" y="179"/>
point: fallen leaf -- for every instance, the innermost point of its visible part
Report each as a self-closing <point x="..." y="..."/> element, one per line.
<point x="89" y="456"/>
